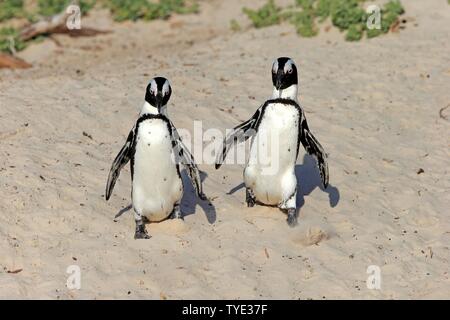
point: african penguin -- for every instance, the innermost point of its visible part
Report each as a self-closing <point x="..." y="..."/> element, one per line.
<point x="279" y="126"/>
<point x="155" y="151"/>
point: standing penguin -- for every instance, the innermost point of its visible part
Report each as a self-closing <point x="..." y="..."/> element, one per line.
<point x="155" y="150"/>
<point x="273" y="182"/>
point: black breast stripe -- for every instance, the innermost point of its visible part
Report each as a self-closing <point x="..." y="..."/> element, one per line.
<point x="310" y="143"/>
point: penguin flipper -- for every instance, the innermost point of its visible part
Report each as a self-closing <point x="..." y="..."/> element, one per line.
<point x="239" y="134"/>
<point x="188" y="161"/>
<point x="314" y="148"/>
<point x="119" y="162"/>
<point x="194" y="175"/>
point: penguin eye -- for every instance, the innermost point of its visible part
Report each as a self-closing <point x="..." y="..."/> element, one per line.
<point x="290" y="71"/>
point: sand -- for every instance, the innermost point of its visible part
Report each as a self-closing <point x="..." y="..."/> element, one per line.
<point x="374" y="106"/>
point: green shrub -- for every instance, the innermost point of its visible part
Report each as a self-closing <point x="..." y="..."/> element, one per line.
<point x="323" y="9"/>
<point x="11" y="9"/>
<point x="354" y="33"/>
<point x="305" y="4"/>
<point x="267" y="15"/>
<point x="9" y="37"/>
<point x="52" y="7"/>
<point x="389" y="15"/>
<point x="234" y="25"/>
<point x="142" y="9"/>
<point x="304" y="23"/>
<point x="120" y="9"/>
<point x="347" y="15"/>
<point x="127" y="9"/>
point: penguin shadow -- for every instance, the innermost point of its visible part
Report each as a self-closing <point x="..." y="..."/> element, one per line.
<point x="190" y="199"/>
<point x="236" y="189"/>
<point x="308" y="179"/>
<point x="123" y="210"/>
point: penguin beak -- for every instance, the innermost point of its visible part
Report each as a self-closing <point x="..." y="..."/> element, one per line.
<point x="279" y="79"/>
<point x="159" y="101"/>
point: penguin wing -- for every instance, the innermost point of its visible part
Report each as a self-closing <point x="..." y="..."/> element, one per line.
<point x="239" y="134"/>
<point x="119" y="162"/>
<point x="314" y="148"/>
<point x="188" y="161"/>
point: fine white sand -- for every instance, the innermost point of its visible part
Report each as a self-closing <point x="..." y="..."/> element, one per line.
<point x="374" y="106"/>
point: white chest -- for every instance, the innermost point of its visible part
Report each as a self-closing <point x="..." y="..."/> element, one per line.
<point x="270" y="171"/>
<point x="156" y="182"/>
<point x="275" y="143"/>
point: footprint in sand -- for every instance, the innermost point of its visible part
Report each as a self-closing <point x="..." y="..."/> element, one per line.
<point x="312" y="236"/>
<point x="422" y="221"/>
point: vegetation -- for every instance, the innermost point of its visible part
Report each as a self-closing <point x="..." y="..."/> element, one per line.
<point x="142" y="9"/>
<point x="267" y="15"/>
<point x="235" y="26"/>
<point x="52" y="7"/>
<point x="305" y="15"/>
<point x="11" y="9"/>
<point x="9" y="40"/>
<point x="389" y="14"/>
<point x="348" y="16"/>
<point x="121" y="10"/>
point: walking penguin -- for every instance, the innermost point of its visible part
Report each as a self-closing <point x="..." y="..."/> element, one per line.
<point x="279" y="126"/>
<point x="155" y="151"/>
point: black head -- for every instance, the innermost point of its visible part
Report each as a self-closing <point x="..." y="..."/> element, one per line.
<point x="158" y="92"/>
<point x="284" y="73"/>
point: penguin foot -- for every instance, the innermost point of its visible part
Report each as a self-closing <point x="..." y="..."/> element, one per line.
<point x="249" y="198"/>
<point x="292" y="218"/>
<point x="141" y="233"/>
<point x="176" y="213"/>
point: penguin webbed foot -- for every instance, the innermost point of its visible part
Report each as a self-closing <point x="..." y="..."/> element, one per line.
<point x="292" y="218"/>
<point x="250" y="198"/>
<point x="176" y="213"/>
<point x="141" y="232"/>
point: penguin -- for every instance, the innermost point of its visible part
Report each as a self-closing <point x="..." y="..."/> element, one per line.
<point x="272" y="181"/>
<point x="155" y="152"/>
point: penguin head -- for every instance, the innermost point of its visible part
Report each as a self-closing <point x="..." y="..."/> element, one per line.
<point x="158" y="92"/>
<point x="284" y="73"/>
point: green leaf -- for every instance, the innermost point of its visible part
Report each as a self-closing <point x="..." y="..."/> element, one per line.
<point x="9" y="37"/>
<point x="11" y="9"/>
<point x="51" y="7"/>
<point x="267" y="15"/>
<point x="354" y="32"/>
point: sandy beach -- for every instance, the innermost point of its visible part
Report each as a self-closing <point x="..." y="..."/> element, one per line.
<point x="380" y="108"/>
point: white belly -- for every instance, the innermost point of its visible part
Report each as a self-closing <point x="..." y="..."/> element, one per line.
<point x="156" y="183"/>
<point x="270" y="171"/>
